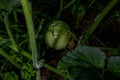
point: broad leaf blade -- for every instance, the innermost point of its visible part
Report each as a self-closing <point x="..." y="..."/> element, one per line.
<point x="82" y="63"/>
<point x="72" y="60"/>
<point x="114" y="65"/>
<point x="91" y="55"/>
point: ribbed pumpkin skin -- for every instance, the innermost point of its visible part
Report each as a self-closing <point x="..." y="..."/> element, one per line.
<point x="57" y="35"/>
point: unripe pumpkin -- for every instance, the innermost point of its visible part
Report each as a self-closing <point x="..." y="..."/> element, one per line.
<point x="57" y="35"/>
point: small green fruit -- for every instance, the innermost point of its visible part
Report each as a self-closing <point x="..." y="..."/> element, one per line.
<point x="57" y="35"/>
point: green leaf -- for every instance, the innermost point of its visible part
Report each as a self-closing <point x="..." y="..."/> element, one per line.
<point x="27" y="71"/>
<point x="84" y="56"/>
<point x="4" y="42"/>
<point x="9" y="76"/>
<point x="71" y="60"/>
<point x="7" y="5"/>
<point x="82" y="73"/>
<point x="83" y="63"/>
<point x="114" y="65"/>
<point x="91" y="55"/>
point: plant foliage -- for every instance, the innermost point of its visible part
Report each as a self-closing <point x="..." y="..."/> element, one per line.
<point x="87" y="63"/>
<point x="7" y="5"/>
<point x="9" y="76"/>
<point x="114" y="65"/>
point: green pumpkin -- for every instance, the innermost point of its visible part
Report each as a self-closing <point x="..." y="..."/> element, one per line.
<point x="57" y="35"/>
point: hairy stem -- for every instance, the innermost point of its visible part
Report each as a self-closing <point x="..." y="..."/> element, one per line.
<point x="7" y="25"/>
<point x="28" y="16"/>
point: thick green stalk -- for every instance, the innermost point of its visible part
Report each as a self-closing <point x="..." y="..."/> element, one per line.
<point x="97" y="21"/>
<point x="38" y="75"/>
<point x="4" y="54"/>
<point x="7" y="25"/>
<point x="28" y="16"/>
